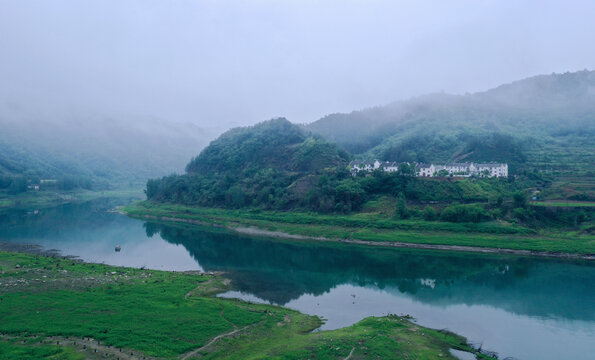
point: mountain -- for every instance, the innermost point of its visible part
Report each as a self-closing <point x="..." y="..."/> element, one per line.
<point x="276" y="144"/>
<point x="544" y="122"/>
<point x="543" y="127"/>
<point x="271" y="164"/>
<point x="107" y="152"/>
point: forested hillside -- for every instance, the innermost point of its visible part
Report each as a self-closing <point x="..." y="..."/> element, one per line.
<point x="276" y="165"/>
<point x="272" y="164"/>
<point x="275" y="144"/>
<point x="93" y="153"/>
<point x="545" y="122"/>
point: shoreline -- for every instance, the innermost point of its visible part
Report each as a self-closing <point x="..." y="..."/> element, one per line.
<point x="391" y="244"/>
<point x="283" y="328"/>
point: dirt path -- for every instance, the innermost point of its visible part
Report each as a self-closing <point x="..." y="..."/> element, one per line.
<point x="350" y="353"/>
<point x="211" y="342"/>
<point x="222" y="315"/>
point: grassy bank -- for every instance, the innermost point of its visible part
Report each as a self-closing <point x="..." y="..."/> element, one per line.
<point x="57" y="308"/>
<point x="46" y="198"/>
<point x="375" y="227"/>
<point x="564" y="203"/>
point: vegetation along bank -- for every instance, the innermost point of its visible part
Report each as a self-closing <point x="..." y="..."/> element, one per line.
<point x="375" y="229"/>
<point x="96" y="311"/>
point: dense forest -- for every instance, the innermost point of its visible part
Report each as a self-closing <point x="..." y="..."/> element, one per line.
<point x="273" y="164"/>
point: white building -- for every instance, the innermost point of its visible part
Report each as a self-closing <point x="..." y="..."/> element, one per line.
<point x="469" y="169"/>
<point x="431" y="170"/>
<point x="370" y="166"/>
<point x="425" y="170"/>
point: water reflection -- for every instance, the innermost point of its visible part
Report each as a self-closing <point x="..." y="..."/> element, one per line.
<point x="526" y="308"/>
<point x="523" y="307"/>
<point x="90" y="232"/>
<point x="280" y="272"/>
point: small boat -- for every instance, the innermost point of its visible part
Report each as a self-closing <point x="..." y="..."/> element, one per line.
<point x="118" y="248"/>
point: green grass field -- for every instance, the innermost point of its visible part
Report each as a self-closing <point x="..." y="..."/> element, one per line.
<point x="563" y="203"/>
<point x="55" y="308"/>
<point x="375" y="227"/>
<point x="15" y="350"/>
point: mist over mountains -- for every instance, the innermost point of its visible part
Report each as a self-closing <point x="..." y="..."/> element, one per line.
<point x="103" y="150"/>
<point x="543" y="122"/>
<point x="506" y="123"/>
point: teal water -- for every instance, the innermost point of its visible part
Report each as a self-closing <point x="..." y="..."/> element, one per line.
<point x="525" y="308"/>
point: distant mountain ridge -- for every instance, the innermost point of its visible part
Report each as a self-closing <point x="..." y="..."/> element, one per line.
<point x="510" y="123"/>
<point x="105" y="151"/>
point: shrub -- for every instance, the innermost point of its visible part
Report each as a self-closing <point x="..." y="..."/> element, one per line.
<point x="463" y="213"/>
<point x="495" y="213"/>
<point x="519" y="213"/>
<point x="401" y="210"/>
<point x="429" y="213"/>
<point x="414" y="212"/>
<point x="520" y="200"/>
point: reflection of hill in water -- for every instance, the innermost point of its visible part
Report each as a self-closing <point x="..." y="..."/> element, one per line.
<point x="279" y="271"/>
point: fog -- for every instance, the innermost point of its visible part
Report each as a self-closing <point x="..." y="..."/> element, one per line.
<point x="219" y="64"/>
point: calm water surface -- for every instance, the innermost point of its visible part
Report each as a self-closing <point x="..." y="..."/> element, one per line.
<point x="525" y="308"/>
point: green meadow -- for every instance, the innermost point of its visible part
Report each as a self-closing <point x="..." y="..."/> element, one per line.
<point x="57" y="308"/>
<point x="374" y="226"/>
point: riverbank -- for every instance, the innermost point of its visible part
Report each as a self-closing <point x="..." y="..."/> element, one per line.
<point x="35" y="200"/>
<point x="373" y="229"/>
<point x="57" y="307"/>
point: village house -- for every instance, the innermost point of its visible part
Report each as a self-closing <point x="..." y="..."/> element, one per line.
<point x="370" y="166"/>
<point x="432" y="170"/>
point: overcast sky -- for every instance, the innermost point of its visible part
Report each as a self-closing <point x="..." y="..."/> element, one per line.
<point x="226" y="63"/>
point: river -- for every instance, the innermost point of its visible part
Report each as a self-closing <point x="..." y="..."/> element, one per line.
<point x="523" y="308"/>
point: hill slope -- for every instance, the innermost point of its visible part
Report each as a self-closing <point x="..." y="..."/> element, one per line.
<point x="546" y="122"/>
<point x="276" y="144"/>
<point x="271" y="164"/>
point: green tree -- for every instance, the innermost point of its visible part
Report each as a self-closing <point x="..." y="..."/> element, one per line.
<point x="406" y="169"/>
<point x="235" y="197"/>
<point x="429" y="213"/>
<point x="17" y="185"/>
<point x="401" y="209"/>
<point x="350" y="193"/>
<point x="495" y="200"/>
<point x="463" y="213"/>
<point x="520" y="200"/>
